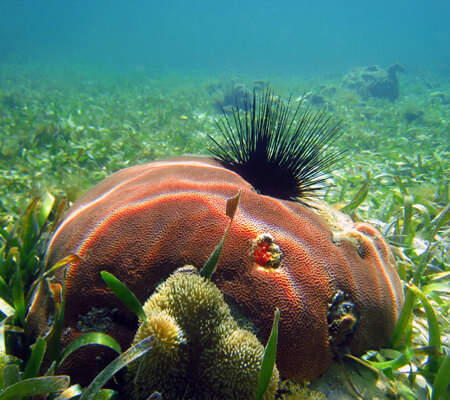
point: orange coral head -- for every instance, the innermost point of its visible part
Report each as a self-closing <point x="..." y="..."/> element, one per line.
<point x="333" y="281"/>
<point x="143" y="222"/>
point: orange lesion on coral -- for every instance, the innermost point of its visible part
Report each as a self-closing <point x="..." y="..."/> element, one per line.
<point x="266" y="252"/>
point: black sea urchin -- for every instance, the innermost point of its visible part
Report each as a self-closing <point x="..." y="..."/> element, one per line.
<point x="283" y="154"/>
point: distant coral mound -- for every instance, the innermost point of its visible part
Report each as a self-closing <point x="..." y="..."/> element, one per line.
<point x="372" y="81"/>
<point x="233" y="94"/>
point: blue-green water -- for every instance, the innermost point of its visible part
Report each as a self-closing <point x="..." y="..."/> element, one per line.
<point x="300" y="37"/>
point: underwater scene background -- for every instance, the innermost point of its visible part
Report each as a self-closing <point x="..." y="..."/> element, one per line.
<point x="91" y="87"/>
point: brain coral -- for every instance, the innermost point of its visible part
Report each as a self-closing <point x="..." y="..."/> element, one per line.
<point x="334" y="281"/>
<point x="143" y="222"/>
<point x="200" y="352"/>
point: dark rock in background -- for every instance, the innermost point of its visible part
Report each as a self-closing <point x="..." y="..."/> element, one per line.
<point x="373" y="81"/>
<point x="233" y="94"/>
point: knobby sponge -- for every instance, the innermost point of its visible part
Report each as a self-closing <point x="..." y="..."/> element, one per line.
<point x="200" y="352"/>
